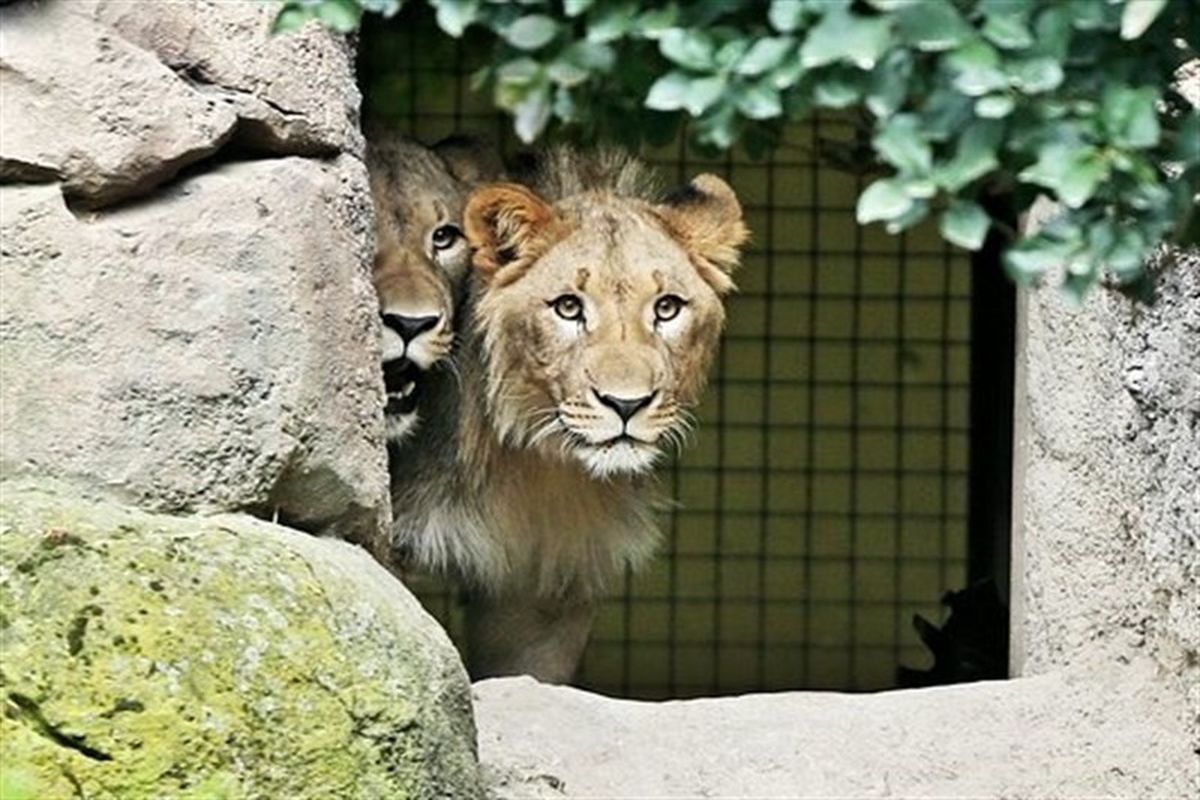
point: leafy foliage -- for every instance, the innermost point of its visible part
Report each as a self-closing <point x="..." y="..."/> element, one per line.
<point x="962" y="101"/>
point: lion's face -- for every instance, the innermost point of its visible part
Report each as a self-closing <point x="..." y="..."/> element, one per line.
<point x="600" y="316"/>
<point x="421" y="259"/>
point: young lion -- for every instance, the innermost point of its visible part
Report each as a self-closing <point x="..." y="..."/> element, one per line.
<point x="591" y="317"/>
<point x="421" y="257"/>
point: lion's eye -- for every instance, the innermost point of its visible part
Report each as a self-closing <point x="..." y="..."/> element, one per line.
<point x="667" y="307"/>
<point x="446" y="236"/>
<point x="569" y="307"/>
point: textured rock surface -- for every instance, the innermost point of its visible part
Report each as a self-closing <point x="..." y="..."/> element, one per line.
<point x="86" y="106"/>
<point x="1107" y="518"/>
<point x="151" y="656"/>
<point x="1113" y="732"/>
<point x="213" y="349"/>
<point x="206" y="343"/>
<point x="292" y="94"/>
<point x="113" y="98"/>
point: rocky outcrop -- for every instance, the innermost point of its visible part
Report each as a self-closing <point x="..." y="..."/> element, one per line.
<point x="1110" y="732"/>
<point x="153" y="656"/>
<point x="187" y="317"/>
<point x="112" y="97"/>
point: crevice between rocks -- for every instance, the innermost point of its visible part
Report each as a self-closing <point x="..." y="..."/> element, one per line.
<point x="242" y="144"/>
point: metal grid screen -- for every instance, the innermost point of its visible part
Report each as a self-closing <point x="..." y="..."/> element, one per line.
<point x="823" y="501"/>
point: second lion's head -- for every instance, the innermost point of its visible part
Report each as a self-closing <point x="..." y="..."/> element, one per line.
<point x="600" y="313"/>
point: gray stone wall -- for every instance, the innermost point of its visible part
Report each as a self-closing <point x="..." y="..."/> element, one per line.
<point x="1107" y="517"/>
<point x="187" y="316"/>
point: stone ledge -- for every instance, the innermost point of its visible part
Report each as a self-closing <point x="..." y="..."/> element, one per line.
<point x="1113" y="732"/>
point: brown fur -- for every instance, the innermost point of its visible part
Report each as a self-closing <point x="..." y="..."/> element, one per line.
<point x="417" y="190"/>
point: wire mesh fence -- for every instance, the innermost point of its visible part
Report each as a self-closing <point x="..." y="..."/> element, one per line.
<point x="823" y="501"/>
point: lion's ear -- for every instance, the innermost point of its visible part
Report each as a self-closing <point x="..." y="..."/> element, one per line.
<point x="706" y="218"/>
<point x="508" y="227"/>
<point x="470" y="159"/>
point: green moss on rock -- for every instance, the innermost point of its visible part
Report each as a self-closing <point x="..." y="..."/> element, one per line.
<point x="151" y="656"/>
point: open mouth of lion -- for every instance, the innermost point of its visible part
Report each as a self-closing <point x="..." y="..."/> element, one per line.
<point x="402" y="380"/>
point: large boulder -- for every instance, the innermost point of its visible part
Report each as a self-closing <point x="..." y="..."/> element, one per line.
<point x="153" y="656"/>
<point x="215" y="349"/>
<point x="197" y="342"/>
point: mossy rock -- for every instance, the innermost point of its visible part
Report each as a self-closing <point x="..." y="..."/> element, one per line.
<point x="215" y="657"/>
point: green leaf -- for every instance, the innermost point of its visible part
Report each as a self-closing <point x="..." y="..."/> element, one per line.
<point x="292" y="18"/>
<point x="589" y="56"/>
<point x="532" y="32"/>
<point x="974" y="157"/>
<point x="765" y="54"/>
<point x="900" y="143"/>
<point x="1138" y="15"/>
<point x="838" y="89"/>
<point x="785" y="16"/>
<point x="566" y="73"/>
<point x="533" y="114"/>
<point x="339" y="15"/>
<point x="565" y="107"/>
<point x="915" y="214"/>
<point x="759" y="101"/>
<point x="1007" y="31"/>
<point x="453" y="16"/>
<point x="787" y="74"/>
<point x="885" y="199"/>
<point x="842" y="36"/>
<point x="1029" y="259"/>
<point x="933" y="26"/>
<point x="610" y="22"/>
<point x="702" y="93"/>
<point x="889" y="83"/>
<point x="994" y="106"/>
<point x="1052" y="32"/>
<point x="1126" y="254"/>
<point x="385" y="8"/>
<point x="730" y="53"/>
<point x="945" y="113"/>
<point x="670" y="92"/>
<point x="692" y="49"/>
<point x="1187" y="140"/>
<point x="573" y="8"/>
<point x="717" y="130"/>
<point x="965" y="224"/>
<point x="1036" y="75"/>
<point x="977" y="69"/>
<point x="1130" y="116"/>
<point x="1072" y="171"/>
<point x="653" y="23"/>
<point x="515" y="80"/>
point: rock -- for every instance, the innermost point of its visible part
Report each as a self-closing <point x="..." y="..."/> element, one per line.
<point x="153" y="656"/>
<point x="293" y="94"/>
<point x="113" y="98"/>
<point x="82" y="105"/>
<point x="213" y="349"/>
<point x="1112" y="732"/>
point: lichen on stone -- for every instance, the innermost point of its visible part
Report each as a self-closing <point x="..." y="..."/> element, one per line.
<point x="151" y="656"/>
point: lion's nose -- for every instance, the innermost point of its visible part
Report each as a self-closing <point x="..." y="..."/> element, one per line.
<point x="409" y="328"/>
<point x="625" y="407"/>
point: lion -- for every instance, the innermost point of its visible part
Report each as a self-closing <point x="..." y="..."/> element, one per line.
<point x="421" y="257"/>
<point x="591" y="316"/>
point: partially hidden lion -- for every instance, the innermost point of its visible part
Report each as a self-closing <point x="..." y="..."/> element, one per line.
<point x="421" y="257"/>
<point x="590" y="317"/>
